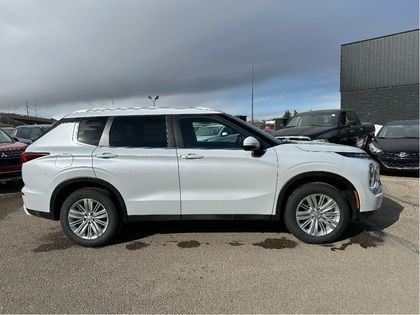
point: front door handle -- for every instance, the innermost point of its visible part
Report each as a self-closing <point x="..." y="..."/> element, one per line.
<point x="106" y="155"/>
<point x="192" y="156"/>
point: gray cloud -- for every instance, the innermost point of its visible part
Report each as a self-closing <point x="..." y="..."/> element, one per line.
<point x="59" y="52"/>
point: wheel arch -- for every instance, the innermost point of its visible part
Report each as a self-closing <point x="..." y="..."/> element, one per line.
<point x="67" y="187"/>
<point x="342" y="184"/>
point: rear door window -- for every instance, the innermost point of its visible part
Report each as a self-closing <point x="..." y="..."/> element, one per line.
<point x="139" y="132"/>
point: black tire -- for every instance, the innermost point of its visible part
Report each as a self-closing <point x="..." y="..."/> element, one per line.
<point x="102" y="196"/>
<point x="309" y="189"/>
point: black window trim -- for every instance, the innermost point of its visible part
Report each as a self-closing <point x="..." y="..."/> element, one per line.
<point x="225" y="119"/>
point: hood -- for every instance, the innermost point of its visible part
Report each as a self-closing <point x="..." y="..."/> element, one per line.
<point x="309" y="131"/>
<point x="10" y="146"/>
<point x="326" y="147"/>
<point x="398" y="145"/>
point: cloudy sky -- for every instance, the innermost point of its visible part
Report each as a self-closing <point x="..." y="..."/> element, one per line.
<point x="67" y="55"/>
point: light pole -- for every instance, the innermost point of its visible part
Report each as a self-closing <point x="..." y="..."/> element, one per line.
<point x="252" y="93"/>
<point x="153" y="99"/>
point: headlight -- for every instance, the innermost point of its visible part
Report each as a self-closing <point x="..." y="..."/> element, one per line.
<point x="374" y="178"/>
<point x="356" y="155"/>
<point x="373" y="148"/>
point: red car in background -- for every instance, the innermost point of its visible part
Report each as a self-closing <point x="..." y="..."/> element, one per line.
<point x="10" y="163"/>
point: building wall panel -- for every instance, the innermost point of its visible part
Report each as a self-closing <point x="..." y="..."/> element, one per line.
<point x="384" y="104"/>
<point x="382" y="62"/>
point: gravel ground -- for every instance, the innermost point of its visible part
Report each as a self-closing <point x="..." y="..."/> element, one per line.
<point x="214" y="267"/>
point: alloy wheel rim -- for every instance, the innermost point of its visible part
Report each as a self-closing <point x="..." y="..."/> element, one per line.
<point x="318" y="215"/>
<point x="88" y="218"/>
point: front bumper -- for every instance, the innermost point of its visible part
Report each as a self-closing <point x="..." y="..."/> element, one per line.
<point x="372" y="200"/>
<point x="392" y="161"/>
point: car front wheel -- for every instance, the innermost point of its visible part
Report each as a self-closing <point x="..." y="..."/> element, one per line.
<point x="89" y="217"/>
<point x="317" y="213"/>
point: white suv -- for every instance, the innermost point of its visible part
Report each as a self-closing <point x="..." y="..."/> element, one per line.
<point x="97" y="169"/>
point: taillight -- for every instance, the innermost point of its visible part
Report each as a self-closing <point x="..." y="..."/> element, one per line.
<point x="29" y="156"/>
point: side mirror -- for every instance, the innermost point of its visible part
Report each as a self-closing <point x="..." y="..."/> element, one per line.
<point x="251" y="144"/>
<point x="224" y="134"/>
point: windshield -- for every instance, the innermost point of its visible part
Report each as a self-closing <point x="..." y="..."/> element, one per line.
<point x="29" y="133"/>
<point x="399" y="131"/>
<point x="9" y="131"/>
<point x="321" y="120"/>
<point x="211" y="130"/>
<point x="4" y="138"/>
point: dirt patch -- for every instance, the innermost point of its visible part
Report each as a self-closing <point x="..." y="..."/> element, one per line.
<point x="188" y="244"/>
<point x="235" y="243"/>
<point x="53" y="236"/>
<point x="58" y="244"/>
<point x="326" y="245"/>
<point x="53" y="241"/>
<point x="136" y="245"/>
<point x="277" y="243"/>
<point x="364" y="239"/>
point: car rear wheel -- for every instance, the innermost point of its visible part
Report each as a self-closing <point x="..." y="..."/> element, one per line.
<point x="317" y="213"/>
<point x="89" y="217"/>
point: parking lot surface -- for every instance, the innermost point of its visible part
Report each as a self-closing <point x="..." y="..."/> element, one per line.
<point x="214" y="267"/>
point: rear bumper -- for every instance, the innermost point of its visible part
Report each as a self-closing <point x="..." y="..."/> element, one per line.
<point x="40" y="214"/>
<point x="10" y="176"/>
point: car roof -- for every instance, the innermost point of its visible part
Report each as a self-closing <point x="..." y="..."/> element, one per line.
<point x="133" y="111"/>
<point x="323" y="111"/>
<point x="402" y="122"/>
<point x="33" y="126"/>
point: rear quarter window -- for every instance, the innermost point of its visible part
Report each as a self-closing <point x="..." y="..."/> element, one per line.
<point x="90" y="130"/>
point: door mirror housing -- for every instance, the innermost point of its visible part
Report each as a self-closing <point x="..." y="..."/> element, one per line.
<point x="224" y="134"/>
<point x="251" y="144"/>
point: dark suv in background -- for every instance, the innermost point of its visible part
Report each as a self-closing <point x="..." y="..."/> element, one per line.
<point x="334" y="125"/>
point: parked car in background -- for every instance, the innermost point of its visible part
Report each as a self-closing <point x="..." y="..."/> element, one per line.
<point x="9" y="130"/>
<point x="99" y="168"/>
<point x="29" y="133"/>
<point x="10" y="163"/>
<point x="336" y="126"/>
<point x="396" y="146"/>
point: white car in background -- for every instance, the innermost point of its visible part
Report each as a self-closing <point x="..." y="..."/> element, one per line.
<point x="377" y="128"/>
<point x="97" y="169"/>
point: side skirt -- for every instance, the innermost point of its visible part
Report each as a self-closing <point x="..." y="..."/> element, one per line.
<point x="201" y="217"/>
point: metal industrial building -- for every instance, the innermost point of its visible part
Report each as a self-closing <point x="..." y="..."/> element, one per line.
<point x="379" y="77"/>
<point x="13" y="120"/>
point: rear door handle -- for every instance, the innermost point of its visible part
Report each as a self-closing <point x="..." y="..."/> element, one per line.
<point x="106" y="155"/>
<point x="192" y="156"/>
